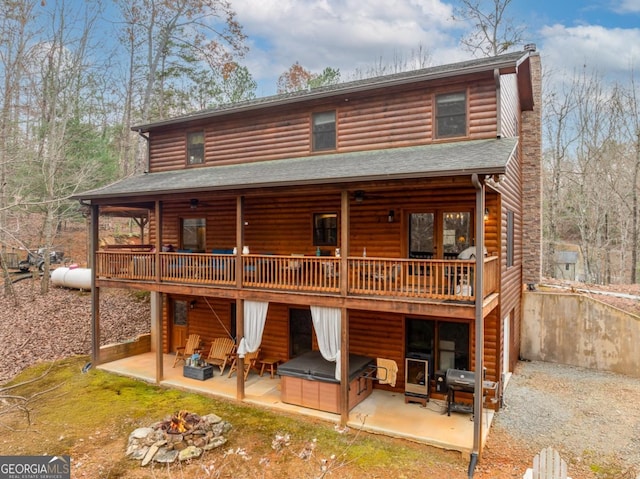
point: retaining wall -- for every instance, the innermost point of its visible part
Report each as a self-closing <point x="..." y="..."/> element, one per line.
<point x="580" y="331"/>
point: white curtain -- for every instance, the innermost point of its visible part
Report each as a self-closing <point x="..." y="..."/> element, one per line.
<point x="326" y="322"/>
<point x="255" y="315"/>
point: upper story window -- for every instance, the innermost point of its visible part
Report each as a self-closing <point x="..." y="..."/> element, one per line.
<point x="195" y="148"/>
<point x="451" y="115"/>
<point x="324" y="131"/>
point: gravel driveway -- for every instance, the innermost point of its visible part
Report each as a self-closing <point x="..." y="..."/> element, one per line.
<point x="591" y="417"/>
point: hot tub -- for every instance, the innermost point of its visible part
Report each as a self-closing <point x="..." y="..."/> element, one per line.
<point x="309" y="381"/>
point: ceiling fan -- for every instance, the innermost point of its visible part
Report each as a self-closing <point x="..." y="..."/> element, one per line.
<point x="195" y="203"/>
<point x="360" y="195"/>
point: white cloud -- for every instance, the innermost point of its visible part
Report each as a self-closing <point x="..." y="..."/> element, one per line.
<point x="344" y="34"/>
<point x="627" y="6"/>
<point x="610" y="52"/>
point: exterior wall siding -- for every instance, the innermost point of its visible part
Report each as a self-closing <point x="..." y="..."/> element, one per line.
<point x="509" y="106"/>
<point x="376" y="121"/>
<point x="283" y="224"/>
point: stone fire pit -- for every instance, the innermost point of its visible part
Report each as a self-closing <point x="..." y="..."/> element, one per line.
<point x="181" y="437"/>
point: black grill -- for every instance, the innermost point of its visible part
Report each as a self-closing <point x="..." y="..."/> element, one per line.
<point x="460" y="380"/>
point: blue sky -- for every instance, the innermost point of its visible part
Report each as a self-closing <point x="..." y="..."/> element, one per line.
<point x="604" y="35"/>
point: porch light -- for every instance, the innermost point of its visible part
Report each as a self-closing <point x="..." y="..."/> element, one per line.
<point x="193" y="203"/>
<point x="486" y="214"/>
<point x="391" y="216"/>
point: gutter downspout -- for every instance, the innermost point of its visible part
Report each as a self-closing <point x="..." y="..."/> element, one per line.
<point x="479" y="343"/>
<point x="146" y="170"/>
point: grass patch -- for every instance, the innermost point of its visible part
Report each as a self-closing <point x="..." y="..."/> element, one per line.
<point x="89" y="416"/>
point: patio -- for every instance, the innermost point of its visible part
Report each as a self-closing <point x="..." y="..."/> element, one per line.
<point x="383" y="412"/>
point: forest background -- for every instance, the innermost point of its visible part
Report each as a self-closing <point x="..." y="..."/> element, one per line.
<point x="69" y="100"/>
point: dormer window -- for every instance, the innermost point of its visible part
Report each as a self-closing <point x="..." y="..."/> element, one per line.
<point x="324" y="131"/>
<point x="195" y="148"/>
<point x="451" y="115"/>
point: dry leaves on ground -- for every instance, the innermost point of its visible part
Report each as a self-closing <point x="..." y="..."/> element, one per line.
<point x="58" y="324"/>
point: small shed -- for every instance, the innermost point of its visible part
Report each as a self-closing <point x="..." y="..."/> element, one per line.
<point x="565" y="265"/>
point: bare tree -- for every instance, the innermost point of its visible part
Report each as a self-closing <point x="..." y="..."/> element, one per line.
<point x="493" y="32"/>
<point x="15" y="36"/>
<point x="418" y="58"/>
<point x="559" y="105"/>
<point x="628" y="114"/>
<point x="60" y="73"/>
<point x="160" y="36"/>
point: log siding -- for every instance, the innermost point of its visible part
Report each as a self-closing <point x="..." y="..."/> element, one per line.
<point x="377" y="121"/>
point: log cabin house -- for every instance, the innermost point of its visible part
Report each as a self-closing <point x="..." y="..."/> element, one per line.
<point x="344" y="219"/>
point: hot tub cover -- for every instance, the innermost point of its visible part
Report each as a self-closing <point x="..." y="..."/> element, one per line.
<point x="314" y="367"/>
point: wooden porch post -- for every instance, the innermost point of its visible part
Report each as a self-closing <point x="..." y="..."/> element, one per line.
<point x="344" y="315"/>
<point x="158" y="243"/>
<point x="95" y="291"/>
<point x="344" y="242"/>
<point x="344" y="367"/>
<point x="157" y="305"/>
<point x="239" y="301"/>
<point x="157" y="298"/>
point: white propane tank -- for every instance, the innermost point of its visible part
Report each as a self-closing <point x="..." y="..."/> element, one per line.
<point x="76" y="278"/>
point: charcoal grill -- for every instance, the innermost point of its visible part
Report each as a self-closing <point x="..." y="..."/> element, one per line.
<point x="459" y="380"/>
<point x="463" y="381"/>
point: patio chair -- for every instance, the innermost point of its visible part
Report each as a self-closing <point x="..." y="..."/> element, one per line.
<point x="220" y="353"/>
<point x="547" y="464"/>
<point x="250" y="360"/>
<point x="192" y="347"/>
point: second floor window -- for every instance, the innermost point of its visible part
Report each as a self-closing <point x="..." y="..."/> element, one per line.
<point x="451" y="115"/>
<point x="195" y="148"/>
<point x="324" y="131"/>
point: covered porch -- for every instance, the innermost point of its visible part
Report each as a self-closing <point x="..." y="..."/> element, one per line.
<point x="383" y="412"/>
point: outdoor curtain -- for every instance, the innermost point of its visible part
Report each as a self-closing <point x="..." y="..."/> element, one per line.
<point x="255" y="315"/>
<point x="326" y="322"/>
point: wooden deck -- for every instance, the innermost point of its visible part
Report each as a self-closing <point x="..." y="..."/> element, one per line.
<point x="390" y="277"/>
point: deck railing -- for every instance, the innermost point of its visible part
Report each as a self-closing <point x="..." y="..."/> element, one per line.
<point x="409" y="278"/>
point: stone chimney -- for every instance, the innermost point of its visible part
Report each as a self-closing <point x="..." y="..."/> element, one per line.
<point x="531" y="142"/>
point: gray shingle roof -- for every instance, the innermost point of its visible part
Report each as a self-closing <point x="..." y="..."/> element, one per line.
<point x="566" y="257"/>
<point x="445" y="159"/>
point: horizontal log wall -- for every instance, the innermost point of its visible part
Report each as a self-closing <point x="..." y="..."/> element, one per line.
<point x="511" y="282"/>
<point x="284" y="224"/>
<point x="383" y="118"/>
<point x="379" y="335"/>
